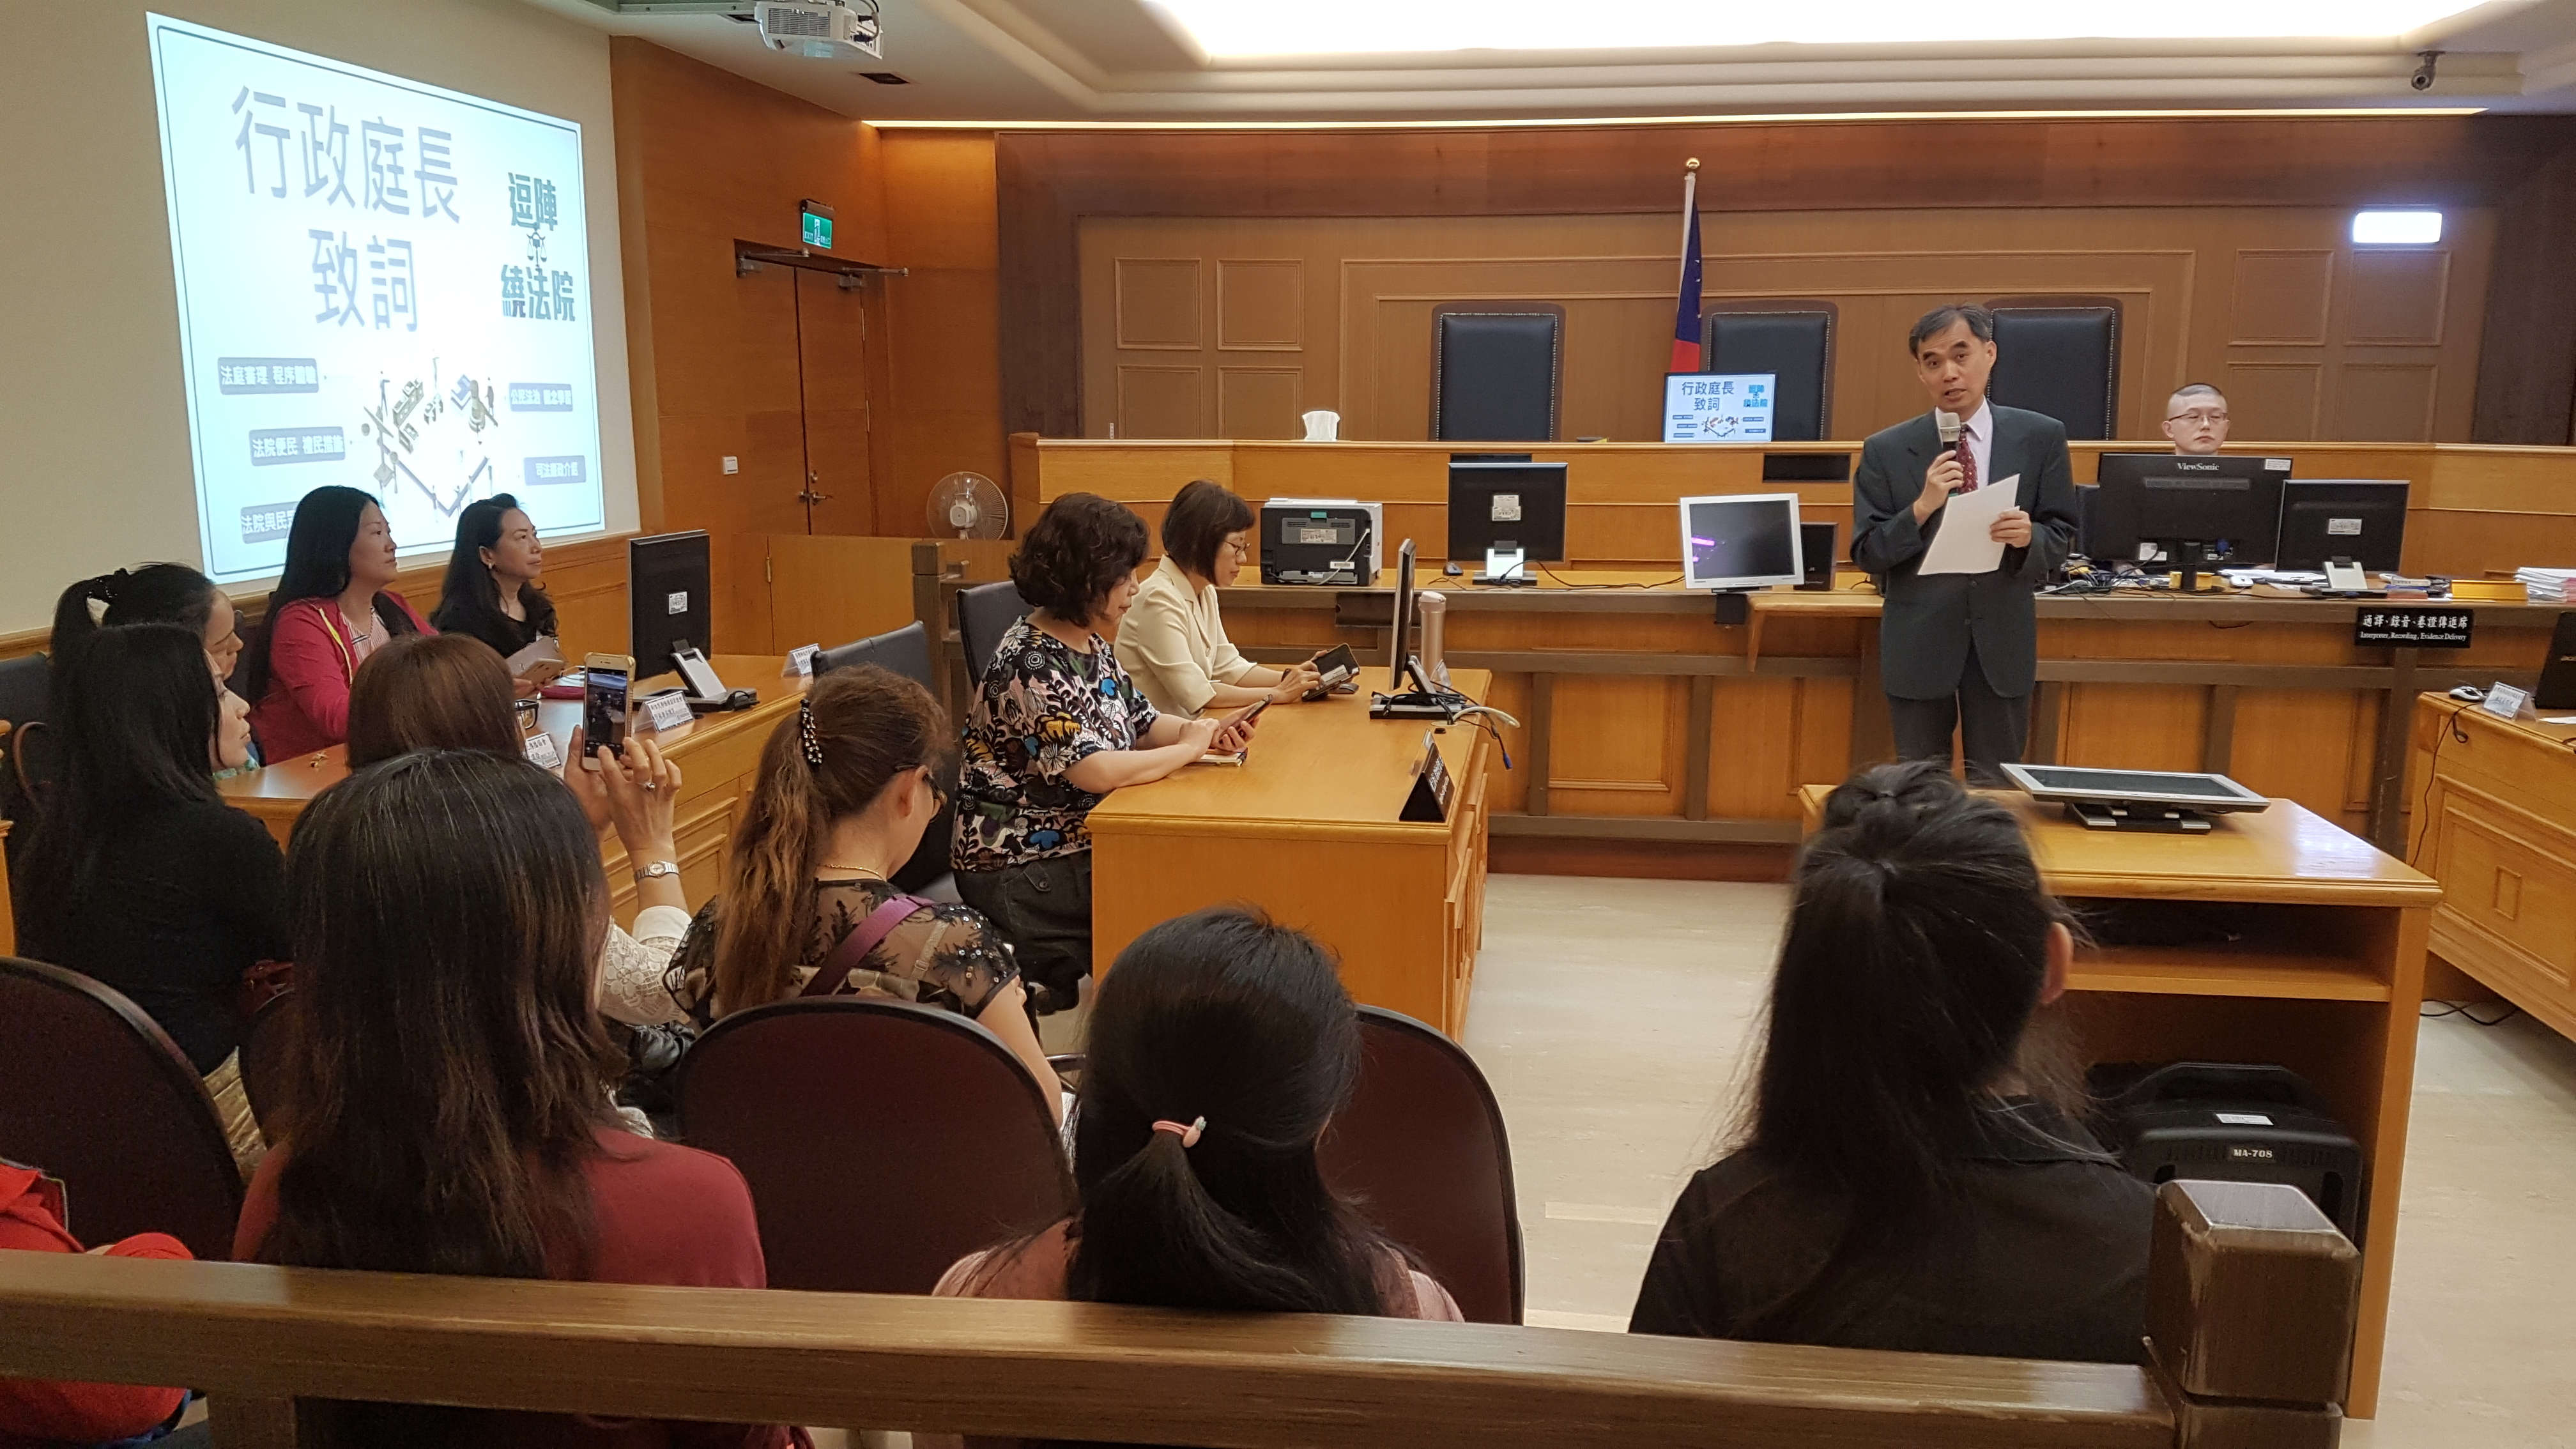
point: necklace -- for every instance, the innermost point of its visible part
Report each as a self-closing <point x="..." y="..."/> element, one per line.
<point x="861" y="871"/>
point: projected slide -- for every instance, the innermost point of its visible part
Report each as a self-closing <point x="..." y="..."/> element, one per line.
<point x="381" y="284"/>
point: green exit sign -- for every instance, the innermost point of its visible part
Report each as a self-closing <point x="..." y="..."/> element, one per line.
<point x="818" y="225"/>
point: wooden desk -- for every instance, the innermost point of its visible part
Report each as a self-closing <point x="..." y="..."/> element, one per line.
<point x="718" y="756"/>
<point x="2498" y="830"/>
<point x="1307" y="829"/>
<point x="2325" y="980"/>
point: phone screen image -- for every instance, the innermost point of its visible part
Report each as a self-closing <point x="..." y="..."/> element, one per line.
<point x="603" y="709"/>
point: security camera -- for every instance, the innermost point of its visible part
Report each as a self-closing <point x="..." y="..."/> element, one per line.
<point x="2422" y="80"/>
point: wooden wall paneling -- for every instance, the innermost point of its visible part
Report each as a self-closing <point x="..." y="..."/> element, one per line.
<point x="2526" y="369"/>
<point x="2392" y="400"/>
<point x="2026" y="168"/>
<point x="941" y="409"/>
<point x="2282" y="296"/>
<point x="832" y="343"/>
<point x="1618" y="745"/>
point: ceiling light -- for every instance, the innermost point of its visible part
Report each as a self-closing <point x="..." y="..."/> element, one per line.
<point x="1235" y="29"/>
<point x="2396" y="228"/>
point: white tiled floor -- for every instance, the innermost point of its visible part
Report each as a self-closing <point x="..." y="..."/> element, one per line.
<point x="1612" y="1017"/>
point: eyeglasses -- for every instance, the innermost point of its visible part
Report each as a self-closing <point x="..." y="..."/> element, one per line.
<point x="2198" y="417"/>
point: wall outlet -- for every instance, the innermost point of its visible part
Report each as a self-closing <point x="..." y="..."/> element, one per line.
<point x="732" y="464"/>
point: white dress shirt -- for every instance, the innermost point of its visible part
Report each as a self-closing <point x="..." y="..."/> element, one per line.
<point x="1173" y="642"/>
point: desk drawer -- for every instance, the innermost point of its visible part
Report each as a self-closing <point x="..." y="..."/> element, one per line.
<point x="2511" y="878"/>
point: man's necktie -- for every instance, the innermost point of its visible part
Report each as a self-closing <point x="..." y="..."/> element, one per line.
<point x="1967" y="464"/>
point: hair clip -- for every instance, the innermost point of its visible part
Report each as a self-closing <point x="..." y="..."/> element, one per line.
<point x="1189" y="1135"/>
<point x="805" y="732"/>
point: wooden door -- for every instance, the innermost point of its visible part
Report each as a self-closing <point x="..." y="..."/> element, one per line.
<point x="831" y="342"/>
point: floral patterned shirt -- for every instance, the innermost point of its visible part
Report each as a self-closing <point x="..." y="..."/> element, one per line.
<point x="946" y="956"/>
<point x="1041" y="710"/>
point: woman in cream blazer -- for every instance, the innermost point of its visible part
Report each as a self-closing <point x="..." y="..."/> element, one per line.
<point x="1173" y="641"/>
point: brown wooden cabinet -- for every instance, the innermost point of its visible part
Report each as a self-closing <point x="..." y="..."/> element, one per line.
<point x="2497" y="827"/>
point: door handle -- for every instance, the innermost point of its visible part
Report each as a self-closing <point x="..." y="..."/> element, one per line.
<point x="810" y="496"/>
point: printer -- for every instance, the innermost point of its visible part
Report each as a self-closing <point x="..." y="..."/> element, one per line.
<point x="1321" y="541"/>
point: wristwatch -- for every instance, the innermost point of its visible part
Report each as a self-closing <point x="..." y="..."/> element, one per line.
<point x="655" y="870"/>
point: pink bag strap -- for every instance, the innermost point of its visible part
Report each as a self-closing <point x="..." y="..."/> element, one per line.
<point x="854" y="948"/>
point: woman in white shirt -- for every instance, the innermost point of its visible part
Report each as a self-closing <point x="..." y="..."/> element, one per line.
<point x="1173" y="641"/>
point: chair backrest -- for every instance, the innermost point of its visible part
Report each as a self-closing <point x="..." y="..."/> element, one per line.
<point x="97" y="1095"/>
<point x="883" y="1141"/>
<point x="1422" y="1147"/>
<point x="1794" y="341"/>
<point x="906" y="651"/>
<point x="1497" y="371"/>
<point x="266" y="1049"/>
<point x="985" y="613"/>
<point x="2060" y="356"/>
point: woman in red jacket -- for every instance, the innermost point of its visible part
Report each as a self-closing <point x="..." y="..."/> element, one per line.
<point x="330" y="611"/>
<point x="48" y="1411"/>
<point x="452" y="1111"/>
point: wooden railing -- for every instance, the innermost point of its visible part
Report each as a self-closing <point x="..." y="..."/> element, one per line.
<point x="2251" y="1306"/>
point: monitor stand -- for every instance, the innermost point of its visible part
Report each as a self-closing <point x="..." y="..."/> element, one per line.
<point x="1422" y="701"/>
<point x="2191" y="556"/>
<point x="2146" y="819"/>
<point x="1506" y="566"/>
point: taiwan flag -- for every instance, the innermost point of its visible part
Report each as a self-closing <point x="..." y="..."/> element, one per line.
<point x="1686" y="311"/>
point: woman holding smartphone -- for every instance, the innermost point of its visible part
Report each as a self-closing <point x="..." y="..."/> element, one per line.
<point x="1173" y="640"/>
<point x="1056" y="725"/>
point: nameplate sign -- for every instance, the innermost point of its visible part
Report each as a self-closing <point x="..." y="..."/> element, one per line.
<point x="543" y="753"/>
<point x="668" y="710"/>
<point x="2440" y="627"/>
<point x="800" y="662"/>
<point x="1432" y="786"/>
<point x="2504" y="701"/>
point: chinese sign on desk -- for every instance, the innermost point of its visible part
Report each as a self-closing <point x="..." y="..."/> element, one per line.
<point x="1718" y="407"/>
<point x="381" y="284"/>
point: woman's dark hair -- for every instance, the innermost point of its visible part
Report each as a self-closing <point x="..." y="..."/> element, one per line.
<point x="1196" y="524"/>
<point x="869" y="725"/>
<point x="1220" y="1015"/>
<point x="160" y="593"/>
<point x="317" y="567"/>
<point x="448" y="911"/>
<point x="1075" y="554"/>
<point x="135" y="711"/>
<point x="431" y="692"/>
<point x="1916" y="953"/>
<point x="469" y="595"/>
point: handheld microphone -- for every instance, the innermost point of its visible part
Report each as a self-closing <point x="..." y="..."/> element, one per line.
<point x="1948" y="424"/>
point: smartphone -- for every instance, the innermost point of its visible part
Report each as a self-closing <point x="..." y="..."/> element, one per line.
<point x="1244" y="715"/>
<point x="1336" y="668"/>
<point x="604" y="704"/>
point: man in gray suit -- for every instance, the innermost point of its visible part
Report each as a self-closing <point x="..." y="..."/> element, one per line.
<point x="1960" y="649"/>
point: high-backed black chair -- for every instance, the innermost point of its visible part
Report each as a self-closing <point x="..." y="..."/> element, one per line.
<point x="984" y="614"/>
<point x="1794" y="341"/>
<point x="883" y="1141"/>
<point x="95" y="1093"/>
<point x="2060" y="356"/>
<point x="1422" y="1147"/>
<point x="906" y="651"/>
<point x="1497" y="371"/>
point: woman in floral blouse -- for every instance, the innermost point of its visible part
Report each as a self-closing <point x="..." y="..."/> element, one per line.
<point x="1056" y="726"/>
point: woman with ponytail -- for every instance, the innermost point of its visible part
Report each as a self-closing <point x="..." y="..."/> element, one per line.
<point x="1912" y="1175"/>
<point x="846" y="786"/>
<point x="1221" y="1045"/>
<point x="161" y="593"/>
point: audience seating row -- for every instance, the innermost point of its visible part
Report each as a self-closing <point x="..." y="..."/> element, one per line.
<point x="103" y="1098"/>
<point x="2252" y="1299"/>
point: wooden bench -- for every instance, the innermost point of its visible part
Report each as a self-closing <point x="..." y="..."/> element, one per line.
<point x="2252" y="1298"/>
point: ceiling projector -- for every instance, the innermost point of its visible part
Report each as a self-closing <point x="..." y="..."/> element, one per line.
<point x="823" y="29"/>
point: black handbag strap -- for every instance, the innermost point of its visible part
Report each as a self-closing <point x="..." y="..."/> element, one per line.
<point x="854" y="948"/>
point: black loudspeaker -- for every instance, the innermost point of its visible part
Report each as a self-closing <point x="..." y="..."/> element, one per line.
<point x="1816" y="550"/>
<point x="2557" y="687"/>
<point x="2227" y="1122"/>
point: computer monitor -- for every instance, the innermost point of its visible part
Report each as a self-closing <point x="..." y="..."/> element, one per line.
<point x="2197" y="508"/>
<point x="2323" y="519"/>
<point x="667" y="603"/>
<point x="1510" y="515"/>
<point x="1401" y="651"/>
<point x="1741" y="541"/>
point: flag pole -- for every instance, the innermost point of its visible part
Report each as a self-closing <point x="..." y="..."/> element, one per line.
<point x="1690" y="200"/>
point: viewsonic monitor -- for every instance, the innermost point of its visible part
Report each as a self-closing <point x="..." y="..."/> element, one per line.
<point x="1741" y="541"/>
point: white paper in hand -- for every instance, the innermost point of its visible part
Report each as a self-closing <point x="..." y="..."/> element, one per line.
<point x="1962" y="545"/>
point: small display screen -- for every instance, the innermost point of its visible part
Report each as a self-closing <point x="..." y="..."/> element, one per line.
<point x="603" y="712"/>
<point x="1740" y="538"/>
<point x="2149" y="784"/>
